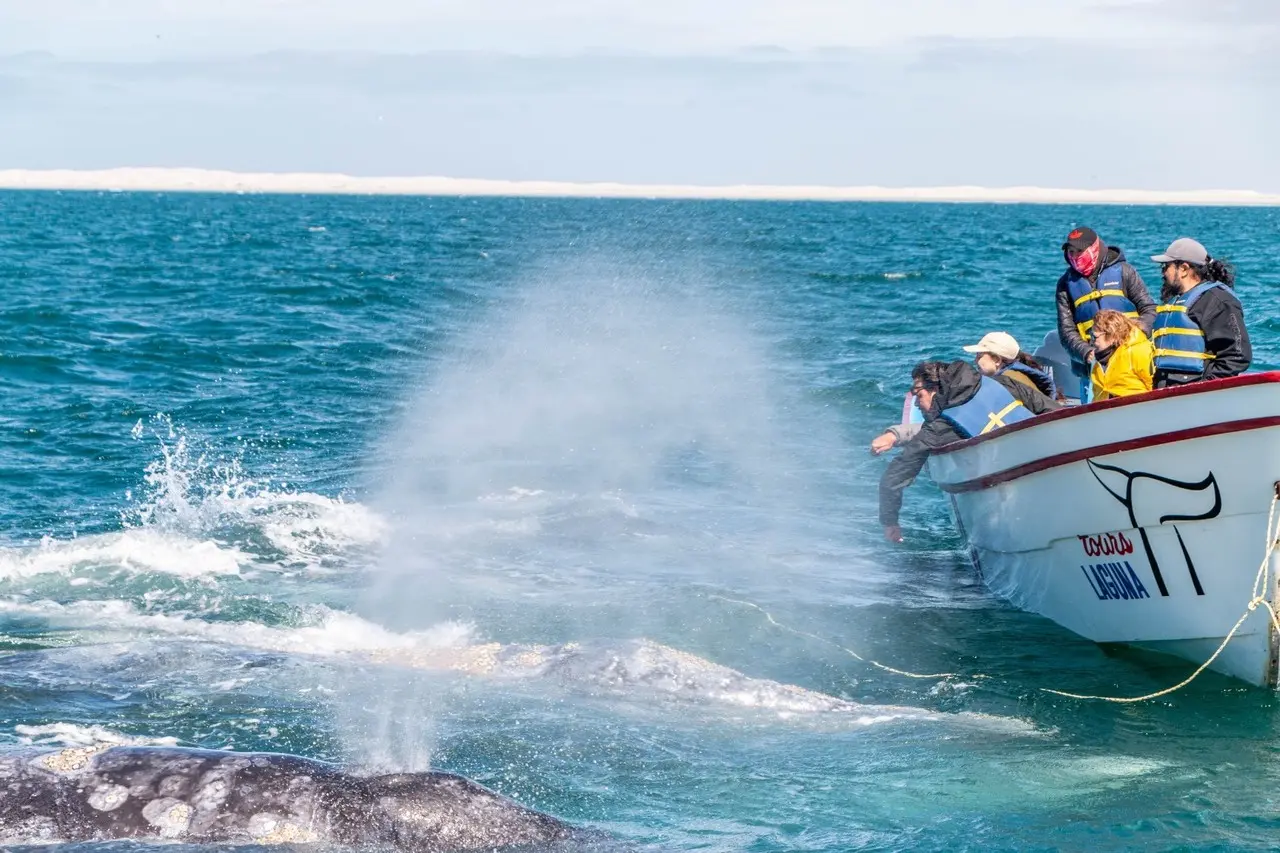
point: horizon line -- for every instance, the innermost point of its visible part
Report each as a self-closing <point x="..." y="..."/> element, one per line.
<point x="182" y="179"/>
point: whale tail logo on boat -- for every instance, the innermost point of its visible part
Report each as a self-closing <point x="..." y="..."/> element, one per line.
<point x="1126" y="498"/>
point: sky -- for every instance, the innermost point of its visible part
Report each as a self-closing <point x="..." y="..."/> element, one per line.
<point x="1145" y="94"/>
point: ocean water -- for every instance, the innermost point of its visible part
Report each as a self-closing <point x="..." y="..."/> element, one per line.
<point x="573" y="497"/>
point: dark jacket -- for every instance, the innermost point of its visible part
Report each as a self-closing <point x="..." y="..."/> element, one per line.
<point x="1135" y="290"/>
<point x="1220" y="316"/>
<point x="960" y="383"/>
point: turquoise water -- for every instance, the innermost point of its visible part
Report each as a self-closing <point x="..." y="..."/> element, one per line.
<point x="498" y="486"/>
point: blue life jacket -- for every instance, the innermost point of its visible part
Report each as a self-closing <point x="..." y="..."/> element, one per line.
<point x="1179" y="342"/>
<point x="1087" y="299"/>
<point x="1042" y="378"/>
<point x="991" y="408"/>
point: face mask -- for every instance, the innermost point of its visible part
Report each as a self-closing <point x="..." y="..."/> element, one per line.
<point x="1087" y="261"/>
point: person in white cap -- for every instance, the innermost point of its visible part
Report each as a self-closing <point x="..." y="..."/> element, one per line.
<point x="1199" y="331"/>
<point x="998" y="353"/>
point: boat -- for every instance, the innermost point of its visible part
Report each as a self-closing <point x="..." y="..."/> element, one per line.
<point x="1142" y="520"/>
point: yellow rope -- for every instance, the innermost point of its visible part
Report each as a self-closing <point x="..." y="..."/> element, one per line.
<point x="1181" y="684"/>
<point x="1261" y="584"/>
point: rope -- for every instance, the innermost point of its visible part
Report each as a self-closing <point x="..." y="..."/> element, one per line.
<point x="1261" y="583"/>
<point x="834" y="644"/>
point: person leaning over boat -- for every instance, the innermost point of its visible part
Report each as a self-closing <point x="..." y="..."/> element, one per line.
<point x="1123" y="356"/>
<point x="1097" y="277"/>
<point x="997" y="354"/>
<point x="958" y="402"/>
<point x="1199" y="332"/>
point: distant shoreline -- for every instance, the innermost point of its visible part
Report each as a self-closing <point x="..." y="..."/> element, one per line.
<point x="207" y="180"/>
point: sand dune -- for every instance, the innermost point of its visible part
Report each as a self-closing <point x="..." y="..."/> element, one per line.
<point x="206" y="180"/>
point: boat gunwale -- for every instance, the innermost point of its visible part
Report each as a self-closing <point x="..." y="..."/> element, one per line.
<point x="1070" y="457"/>
<point x="1207" y="386"/>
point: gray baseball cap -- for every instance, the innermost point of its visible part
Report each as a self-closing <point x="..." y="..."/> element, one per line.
<point x="1183" y="249"/>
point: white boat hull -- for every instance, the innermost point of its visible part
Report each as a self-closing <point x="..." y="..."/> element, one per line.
<point x="1142" y="520"/>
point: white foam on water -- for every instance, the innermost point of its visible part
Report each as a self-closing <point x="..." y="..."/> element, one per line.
<point x="307" y="526"/>
<point x="70" y="734"/>
<point x="331" y="632"/>
<point x="137" y="551"/>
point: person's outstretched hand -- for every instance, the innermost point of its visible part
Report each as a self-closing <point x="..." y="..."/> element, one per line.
<point x="883" y="442"/>
<point x="892" y="533"/>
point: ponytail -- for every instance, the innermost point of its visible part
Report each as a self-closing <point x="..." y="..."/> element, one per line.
<point x="1044" y="380"/>
<point x="1212" y="270"/>
<point x="1219" y="271"/>
<point x="1029" y="360"/>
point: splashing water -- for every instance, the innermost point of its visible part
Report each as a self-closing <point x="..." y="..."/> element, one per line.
<point x="198" y="515"/>
<point x="190" y="492"/>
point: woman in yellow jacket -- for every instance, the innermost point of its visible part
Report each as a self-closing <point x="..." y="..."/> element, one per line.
<point x="1124" y="356"/>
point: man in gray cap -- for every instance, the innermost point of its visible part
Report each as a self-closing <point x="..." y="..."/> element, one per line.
<point x="1199" y="332"/>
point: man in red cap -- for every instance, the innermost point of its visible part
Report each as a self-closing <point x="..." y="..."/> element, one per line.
<point x="1097" y="277"/>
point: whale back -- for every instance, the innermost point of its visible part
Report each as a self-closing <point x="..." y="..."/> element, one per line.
<point x="434" y="811"/>
<point x="87" y="794"/>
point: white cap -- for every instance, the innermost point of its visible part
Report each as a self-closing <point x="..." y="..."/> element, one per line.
<point x="999" y="344"/>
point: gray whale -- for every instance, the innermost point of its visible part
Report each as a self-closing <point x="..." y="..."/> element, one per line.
<point x="102" y="793"/>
